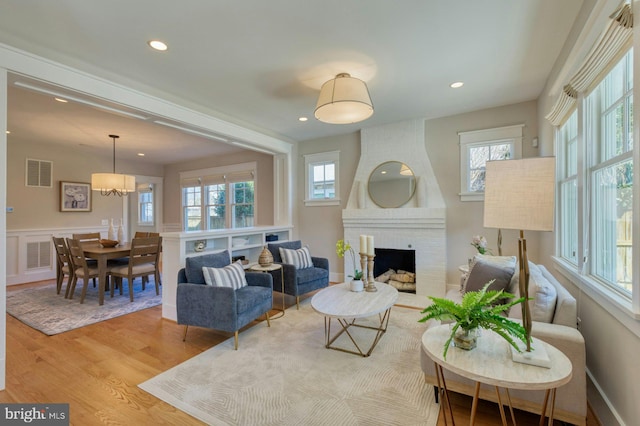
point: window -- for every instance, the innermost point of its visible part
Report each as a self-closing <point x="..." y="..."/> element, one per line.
<point x="568" y="189"/>
<point x="478" y="147"/>
<point x="595" y="184"/>
<point x="145" y="205"/>
<point x="223" y="196"/>
<point x="608" y="111"/>
<point x="242" y="204"/>
<point x="192" y="208"/>
<point x="322" y="179"/>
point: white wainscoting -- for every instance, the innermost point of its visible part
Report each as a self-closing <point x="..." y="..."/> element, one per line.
<point x="21" y="268"/>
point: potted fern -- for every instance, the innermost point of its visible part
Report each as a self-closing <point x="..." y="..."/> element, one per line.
<point x="479" y="309"/>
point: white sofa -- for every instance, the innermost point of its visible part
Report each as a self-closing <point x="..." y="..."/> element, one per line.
<point x="561" y="332"/>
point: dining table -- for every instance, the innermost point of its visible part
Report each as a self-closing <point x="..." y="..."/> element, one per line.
<point x="94" y="250"/>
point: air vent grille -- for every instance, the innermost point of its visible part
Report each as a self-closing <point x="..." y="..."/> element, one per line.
<point x="39" y="173"/>
<point x="38" y="254"/>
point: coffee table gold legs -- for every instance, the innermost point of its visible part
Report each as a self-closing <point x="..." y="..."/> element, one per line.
<point x="380" y="330"/>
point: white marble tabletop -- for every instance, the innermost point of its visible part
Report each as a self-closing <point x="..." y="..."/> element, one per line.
<point x="490" y="362"/>
<point x="337" y="301"/>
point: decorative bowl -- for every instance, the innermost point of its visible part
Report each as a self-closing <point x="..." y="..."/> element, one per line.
<point x="108" y="243"/>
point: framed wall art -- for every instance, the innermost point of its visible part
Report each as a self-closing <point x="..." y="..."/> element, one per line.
<point x="75" y="197"/>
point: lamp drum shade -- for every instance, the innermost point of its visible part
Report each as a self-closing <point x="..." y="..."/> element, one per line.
<point x="519" y="194"/>
<point x="113" y="183"/>
<point x="344" y="100"/>
<point x="110" y="181"/>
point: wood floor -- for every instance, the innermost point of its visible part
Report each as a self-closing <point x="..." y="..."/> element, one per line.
<point x="96" y="369"/>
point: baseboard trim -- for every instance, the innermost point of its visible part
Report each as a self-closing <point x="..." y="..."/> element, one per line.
<point x="600" y="404"/>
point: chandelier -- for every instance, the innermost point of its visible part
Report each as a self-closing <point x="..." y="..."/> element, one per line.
<point x="113" y="183"/>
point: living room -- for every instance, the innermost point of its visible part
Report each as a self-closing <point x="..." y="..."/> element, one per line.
<point x="611" y="333"/>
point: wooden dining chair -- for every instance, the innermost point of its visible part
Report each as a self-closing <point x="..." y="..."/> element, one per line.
<point x="143" y="261"/>
<point x="81" y="269"/>
<point x="140" y="234"/>
<point x="63" y="264"/>
<point x="84" y="238"/>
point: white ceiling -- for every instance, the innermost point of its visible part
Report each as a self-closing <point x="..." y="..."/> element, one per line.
<point x="261" y="63"/>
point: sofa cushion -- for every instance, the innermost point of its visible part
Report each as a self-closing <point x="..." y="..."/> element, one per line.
<point x="542" y="293"/>
<point x="193" y="265"/>
<point x="300" y="258"/>
<point x="483" y="272"/>
<point x="228" y="276"/>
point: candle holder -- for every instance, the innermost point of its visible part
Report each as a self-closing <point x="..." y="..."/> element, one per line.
<point x="370" y="287"/>
<point x="363" y="264"/>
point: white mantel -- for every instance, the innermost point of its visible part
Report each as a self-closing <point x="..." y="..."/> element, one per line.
<point x="420" y="224"/>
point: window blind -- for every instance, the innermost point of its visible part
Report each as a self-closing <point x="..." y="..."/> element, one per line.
<point x="616" y="39"/>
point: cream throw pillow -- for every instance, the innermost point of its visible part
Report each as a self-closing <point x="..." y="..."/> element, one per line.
<point x="300" y="258"/>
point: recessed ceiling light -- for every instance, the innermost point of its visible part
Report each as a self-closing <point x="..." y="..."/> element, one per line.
<point x="456" y="84"/>
<point x="302" y="119"/>
<point x="157" y="45"/>
<point x="64" y="101"/>
<point x="8" y="131"/>
<point x="141" y="154"/>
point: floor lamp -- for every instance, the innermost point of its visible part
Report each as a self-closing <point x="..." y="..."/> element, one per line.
<point x="520" y="195"/>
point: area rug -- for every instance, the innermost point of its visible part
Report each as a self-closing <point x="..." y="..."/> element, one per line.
<point x="41" y="308"/>
<point x="283" y="375"/>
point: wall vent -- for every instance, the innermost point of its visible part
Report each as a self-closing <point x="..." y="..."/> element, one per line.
<point x="39" y="173"/>
<point x="38" y="254"/>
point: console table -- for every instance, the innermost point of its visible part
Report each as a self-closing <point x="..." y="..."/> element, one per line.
<point x="490" y="363"/>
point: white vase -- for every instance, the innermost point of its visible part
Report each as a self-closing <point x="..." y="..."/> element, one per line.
<point x="356" y="285"/>
<point x="112" y="231"/>
<point x="120" y="232"/>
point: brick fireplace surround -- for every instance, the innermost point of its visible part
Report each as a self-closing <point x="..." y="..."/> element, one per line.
<point x="420" y="224"/>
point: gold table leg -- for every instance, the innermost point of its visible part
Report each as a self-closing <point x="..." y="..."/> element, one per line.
<point x="380" y="330"/>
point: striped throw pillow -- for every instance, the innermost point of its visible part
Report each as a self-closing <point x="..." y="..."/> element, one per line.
<point x="229" y="276"/>
<point x="300" y="258"/>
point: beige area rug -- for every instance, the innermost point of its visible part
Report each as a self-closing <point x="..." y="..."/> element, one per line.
<point x="283" y="375"/>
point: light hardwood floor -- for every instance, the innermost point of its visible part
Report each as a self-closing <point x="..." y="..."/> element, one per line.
<point x="96" y="369"/>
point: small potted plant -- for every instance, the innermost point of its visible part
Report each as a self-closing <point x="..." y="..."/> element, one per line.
<point x="479" y="309"/>
<point x="343" y="247"/>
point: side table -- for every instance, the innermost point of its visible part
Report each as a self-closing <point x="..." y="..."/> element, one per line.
<point x="490" y="363"/>
<point x="267" y="269"/>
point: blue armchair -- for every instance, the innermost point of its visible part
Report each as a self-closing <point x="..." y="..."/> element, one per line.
<point x="220" y="308"/>
<point x="298" y="281"/>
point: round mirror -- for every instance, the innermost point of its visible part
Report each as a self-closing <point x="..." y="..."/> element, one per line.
<point x="392" y="184"/>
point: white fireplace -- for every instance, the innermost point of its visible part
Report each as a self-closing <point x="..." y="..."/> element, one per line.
<point x="419" y="224"/>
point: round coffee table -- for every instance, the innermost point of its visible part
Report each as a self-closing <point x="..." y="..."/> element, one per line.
<point x="346" y="306"/>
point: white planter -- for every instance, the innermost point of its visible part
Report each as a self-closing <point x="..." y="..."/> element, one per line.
<point x="356" y="285"/>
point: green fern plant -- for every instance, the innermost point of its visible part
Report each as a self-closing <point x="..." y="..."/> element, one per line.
<point x="479" y="309"/>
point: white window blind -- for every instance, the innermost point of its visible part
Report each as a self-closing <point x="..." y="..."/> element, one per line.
<point x="615" y="40"/>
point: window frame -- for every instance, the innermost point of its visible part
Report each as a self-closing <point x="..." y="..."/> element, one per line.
<point x="142" y="192"/>
<point x="311" y="160"/>
<point x="480" y="138"/>
<point x="590" y="160"/>
<point x="226" y="173"/>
